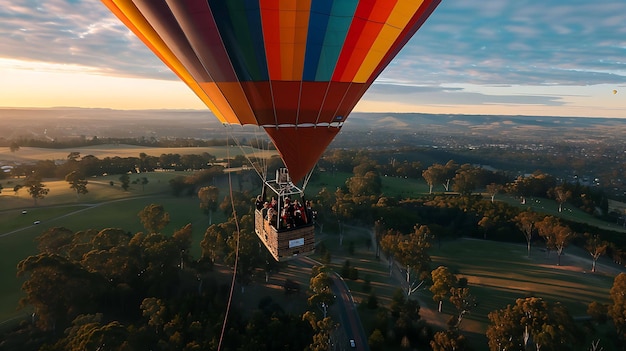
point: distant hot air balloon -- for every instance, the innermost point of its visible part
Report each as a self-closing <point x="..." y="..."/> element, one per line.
<point x="296" y="68"/>
<point x="614" y="91"/>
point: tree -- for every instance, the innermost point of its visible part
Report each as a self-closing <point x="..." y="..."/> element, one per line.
<point x="466" y="179"/>
<point x="77" y="182"/>
<point x="531" y="322"/>
<point x="89" y="333"/>
<point x="322" y="296"/>
<point x="57" y="240"/>
<point x="520" y="187"/>
<point x="433" y="175"/>
<point x="379" y="231"/>
<point x="209" y="196"/>
<point x="144" y="182"/>
<point x="617" y="310"/>
<point x="376" y="341"/>
<point x="412" y="253"/>
<point x="525" y="221"/>
<point x="213" y="244"/>
<point x="36" y="188"/>
<point x="493" y="189"/>
<point x="448" y="340"/>
<point x="448" y="173"/>
<point x="389" y="245"/>
<point x="155" y="311"/>
<point x="598" y="312"/>
<point x="596" y="248"/>
<point x="154" y="218"/>
<point x="443" y="281"/>
<point x="14" y="146"/>
<point x="557" y="235"/>
<point x="323" y="329"/>
<point x="464" y="302"/>
<point x="58" y="289"/>
<point x="364" y="185"/>
<point x="561" y="194"/>
<point x="125" y="180"/>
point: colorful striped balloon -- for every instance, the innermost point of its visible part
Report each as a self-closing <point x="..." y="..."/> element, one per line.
<point x="296" y="68"/>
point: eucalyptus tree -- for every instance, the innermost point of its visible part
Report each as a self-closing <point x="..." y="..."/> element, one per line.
<point x="532" y="323"/>
<point x="36" y="189"/>
<point x="77" y="182"/>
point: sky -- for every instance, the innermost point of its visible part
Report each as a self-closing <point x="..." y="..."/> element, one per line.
<point x="490" y="57"/>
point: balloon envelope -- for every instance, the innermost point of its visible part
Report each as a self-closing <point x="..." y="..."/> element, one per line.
<point x="295" y="68"/>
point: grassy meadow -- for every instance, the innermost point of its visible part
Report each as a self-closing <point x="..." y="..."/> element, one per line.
<point x="497" y="274"/>
<point x="103" y="206"/>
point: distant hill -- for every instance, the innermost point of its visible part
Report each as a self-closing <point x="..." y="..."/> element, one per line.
<point x="77" y="122"/>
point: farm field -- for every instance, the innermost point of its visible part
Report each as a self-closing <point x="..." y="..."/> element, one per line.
<point x="33" y="154"/>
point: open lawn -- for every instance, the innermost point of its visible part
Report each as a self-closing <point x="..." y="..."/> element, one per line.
<point x="102" y="207"/>
<point x="497" y="273"/>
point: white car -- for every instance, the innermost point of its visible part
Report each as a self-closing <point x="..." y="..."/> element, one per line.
<point x="352" y="343"/>
<point x="36" y="222"/>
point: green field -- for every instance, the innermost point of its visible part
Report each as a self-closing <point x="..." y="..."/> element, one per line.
<point x="102" y="207"/>
<point x="497" y="273"/>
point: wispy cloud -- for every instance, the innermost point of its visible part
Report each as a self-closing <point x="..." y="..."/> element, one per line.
<point x="481" y="43"/>
<point x="74" y="32"/>
<point x="518" y="43"/>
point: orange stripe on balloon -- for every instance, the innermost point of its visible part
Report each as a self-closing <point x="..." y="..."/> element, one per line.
<point x="361" y="36"/>
<point x="295" y="43"/>
<point x="270" y="22"/>
<point x="134" y="20"/>
<point x="397" y="21"/>
<point x="229" y="106"/>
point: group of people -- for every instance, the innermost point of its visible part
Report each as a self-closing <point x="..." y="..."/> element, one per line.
<point x="293" y="213"/>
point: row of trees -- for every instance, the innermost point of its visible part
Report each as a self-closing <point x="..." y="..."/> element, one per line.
<point x="90" y="165"/>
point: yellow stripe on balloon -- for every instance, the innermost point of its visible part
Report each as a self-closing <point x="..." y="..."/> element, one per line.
<point x="398" y="19"/>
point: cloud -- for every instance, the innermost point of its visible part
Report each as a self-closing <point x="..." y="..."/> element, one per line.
<point x="482" y="43"/>
<point x="74" y="32"/>
<point x="428" y="95"/>
<point x="518" y="42"/>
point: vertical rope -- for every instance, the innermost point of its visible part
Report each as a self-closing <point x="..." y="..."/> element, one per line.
<point x="232" y="283"/>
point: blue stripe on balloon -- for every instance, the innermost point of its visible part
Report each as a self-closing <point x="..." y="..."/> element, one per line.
<point x="318" y="23"/>
<point x="336" y="31"/>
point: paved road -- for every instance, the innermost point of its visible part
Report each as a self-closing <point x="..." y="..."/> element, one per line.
<point x="350" y="320"/>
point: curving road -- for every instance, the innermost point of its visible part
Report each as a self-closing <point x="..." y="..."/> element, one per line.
<point x="350" y="320"/>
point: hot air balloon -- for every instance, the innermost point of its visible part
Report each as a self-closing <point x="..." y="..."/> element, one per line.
<point x="614" y="91"/>
<point x="295" y="68"/>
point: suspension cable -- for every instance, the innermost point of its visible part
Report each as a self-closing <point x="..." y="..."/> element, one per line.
<point x="232" y="283"/>
<point x="245" y="154"/>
